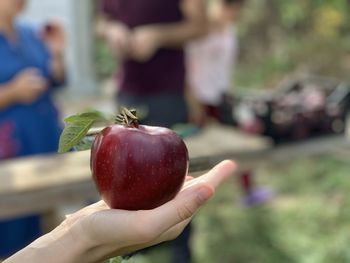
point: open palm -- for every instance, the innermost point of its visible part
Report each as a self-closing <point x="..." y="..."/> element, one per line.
<point x="117" y="232"/>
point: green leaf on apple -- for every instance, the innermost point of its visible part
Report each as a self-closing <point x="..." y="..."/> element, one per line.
<point x="84" y="144"/>
<point x="76" y="128"/>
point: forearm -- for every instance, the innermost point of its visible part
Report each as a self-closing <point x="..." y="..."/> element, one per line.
<point x="58" y="68"/>
<point x="193" y="25"/>
<point x="7" y="96"/>
<point x="58" y="246"/>
<point x="176" y="35"/>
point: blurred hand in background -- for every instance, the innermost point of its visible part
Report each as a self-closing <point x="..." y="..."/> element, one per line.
<point x="27" y="86"/>
<point x="54" y="36"/>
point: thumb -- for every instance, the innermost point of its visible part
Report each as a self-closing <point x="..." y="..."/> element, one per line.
<point x="190" y="199"/>
<point x="184" y="206"/>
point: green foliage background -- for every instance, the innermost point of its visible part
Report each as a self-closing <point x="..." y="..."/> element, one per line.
<point x="280" y="37"/>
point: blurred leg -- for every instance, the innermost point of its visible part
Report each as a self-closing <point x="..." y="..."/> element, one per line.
<point x="181" y="250"/>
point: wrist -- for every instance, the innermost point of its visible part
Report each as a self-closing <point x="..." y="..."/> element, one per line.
<point x="159" y="36"/>
<point x="11" y="90"/>
<point x="58" y="246"/>
<point x="63" y="246"/>
<point x="57" y="54"/>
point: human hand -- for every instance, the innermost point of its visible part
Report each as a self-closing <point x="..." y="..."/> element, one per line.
<point x="144" y="43"/>
<point x="96" y="232"/>
<point x="106" y="233"/>
<point x="54" y="36"/>
<point x="118" y="38"/>
<point x="27" y="86"/>
<point x="117" y="232"/>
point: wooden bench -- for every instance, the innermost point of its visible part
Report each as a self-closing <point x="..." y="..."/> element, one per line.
<point x="41" y="183"/>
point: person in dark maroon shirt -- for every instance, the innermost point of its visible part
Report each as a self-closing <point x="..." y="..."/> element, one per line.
<point x="148" y="37"/>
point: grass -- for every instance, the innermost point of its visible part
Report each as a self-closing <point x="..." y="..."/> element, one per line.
<point x="307" y="221"/>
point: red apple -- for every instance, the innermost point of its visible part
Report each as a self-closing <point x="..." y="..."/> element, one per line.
<point x="138" y="167"/>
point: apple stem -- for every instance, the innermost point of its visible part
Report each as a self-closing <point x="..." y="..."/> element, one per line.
<point x="127" y="117"/>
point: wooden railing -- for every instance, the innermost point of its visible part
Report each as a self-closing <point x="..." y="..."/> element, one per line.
<point x="40" y="183"/>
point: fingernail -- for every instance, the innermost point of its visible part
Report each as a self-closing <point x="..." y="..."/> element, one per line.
<point x="204" y="193"/>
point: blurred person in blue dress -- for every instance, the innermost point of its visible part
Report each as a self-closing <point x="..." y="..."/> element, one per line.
<point x="31" y="67"/>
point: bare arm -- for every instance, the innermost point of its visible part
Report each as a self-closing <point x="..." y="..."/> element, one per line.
<point x="55" y="39"/>
<point x="25" y="88"/>
<point x="142" y="42"/>
<point x="58" y="68"/>
<point x="193" y="25"/>
<point x="147" y="40"/>
<point x="97" y="233"/>
<point x="56" y="247"/>
<point x="7" y="96"/>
